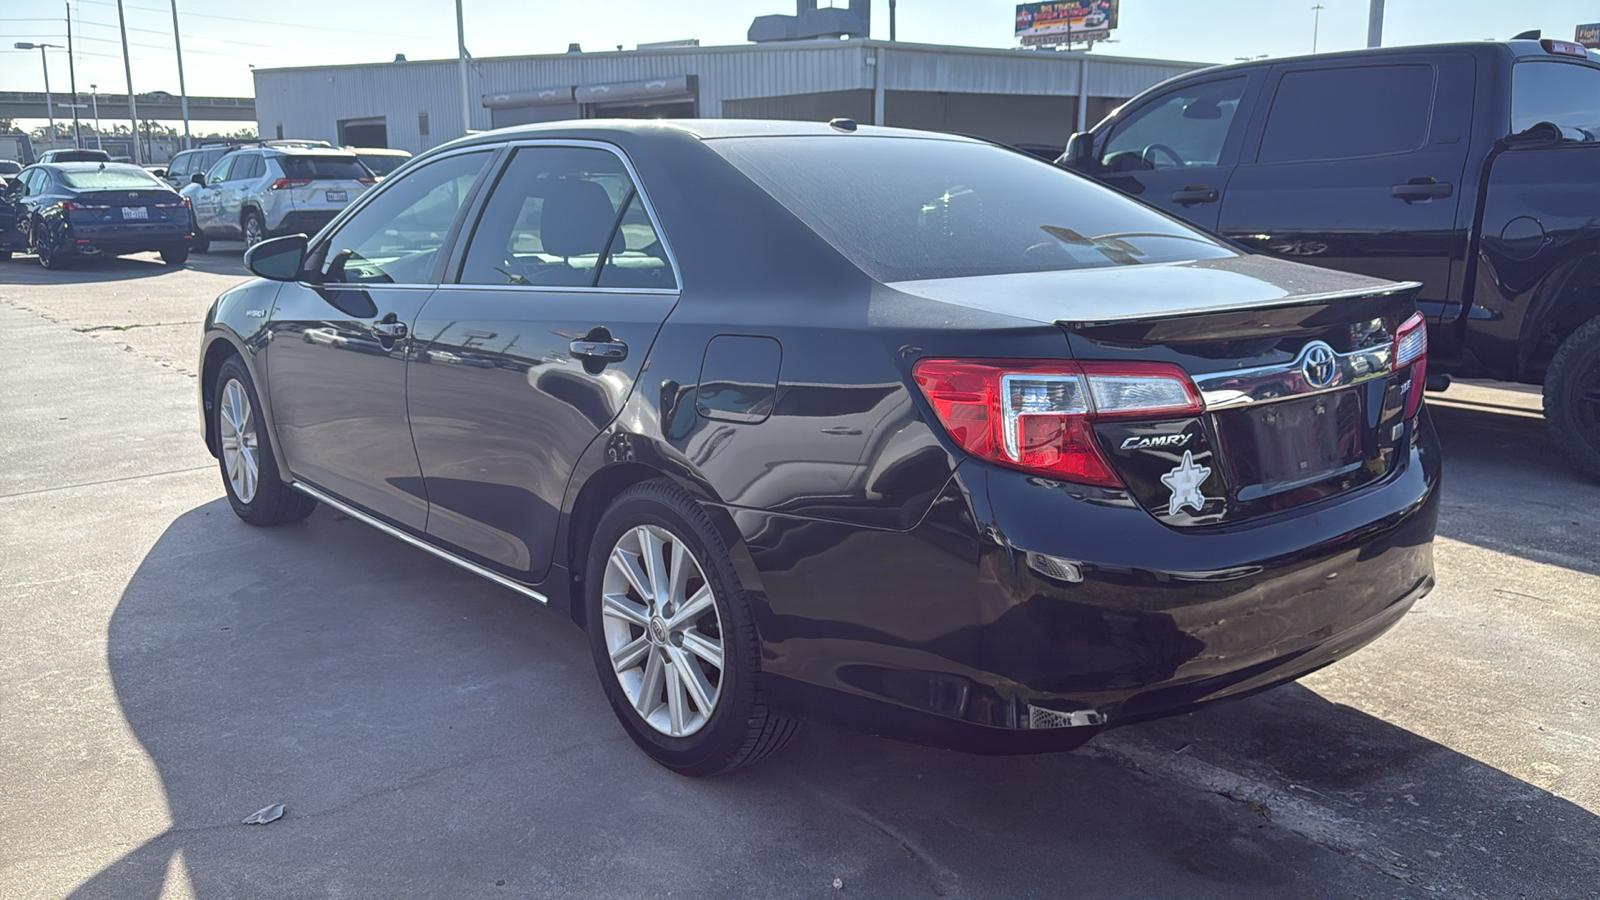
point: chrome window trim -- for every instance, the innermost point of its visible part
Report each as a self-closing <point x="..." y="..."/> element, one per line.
<point x="553" y="289"/>
<point x="1287" y="381"/>
<point x="420" y="544"/>
<point x="639" y="188"/>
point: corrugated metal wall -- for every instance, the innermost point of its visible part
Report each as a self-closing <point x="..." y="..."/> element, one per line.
<point x="309" y="103"/>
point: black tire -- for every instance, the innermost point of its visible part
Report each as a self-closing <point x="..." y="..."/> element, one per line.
<point x="741" y="729"/>
<point x="175" y="256"/>
<point x="272" y="502"/>
<point x="200" y="243"/>
<point x="48" y="255"/>
<point x="1572" y="398"/>
<point x="253" y="229"/>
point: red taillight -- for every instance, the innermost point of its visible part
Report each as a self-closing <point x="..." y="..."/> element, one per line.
<point x="75" y="205"/>
<point x="183" y="203"/>
<point x="1564" y="48"/>
<point x="367" y="180"/>
<point x="1038" y="415"/>
<point x="1411" y="349"/>
<point x="283" y="184"/>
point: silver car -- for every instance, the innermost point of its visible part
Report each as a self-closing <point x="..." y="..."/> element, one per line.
<point x="257" y="193"/>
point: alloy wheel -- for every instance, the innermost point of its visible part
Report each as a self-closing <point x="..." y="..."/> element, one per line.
<point x="237" y="425"/>
<point x="662" y="630"/>
<point x="252" y="231"/>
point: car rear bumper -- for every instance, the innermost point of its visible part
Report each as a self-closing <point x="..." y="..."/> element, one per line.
<point x="1024" y="614"/>
<point x="307" y="222"/>
<point x="113" y="241"/>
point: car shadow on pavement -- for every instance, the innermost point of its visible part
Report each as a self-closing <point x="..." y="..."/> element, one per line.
<point x="224" y="258"/>
<point x="1507" y="488"/>
<point x="433" y="735"/>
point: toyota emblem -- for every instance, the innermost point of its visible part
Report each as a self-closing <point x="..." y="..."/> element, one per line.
<point x="1319" y="365"/>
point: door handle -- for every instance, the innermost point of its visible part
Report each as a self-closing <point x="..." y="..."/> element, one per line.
<point x="1422" y="190"/>
<point x="1196" y="193"/>
<point x="604" y="351"/>
<point x="388" y="329"/>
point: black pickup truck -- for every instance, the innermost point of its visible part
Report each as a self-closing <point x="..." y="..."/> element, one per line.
<point x="1471" y="168"/>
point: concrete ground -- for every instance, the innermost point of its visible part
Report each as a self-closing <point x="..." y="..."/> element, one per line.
<point x="166" y="670"/>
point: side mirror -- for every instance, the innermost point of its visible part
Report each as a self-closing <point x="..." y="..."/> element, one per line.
<point x="198" y="178"/>
<point x="1080" y="153"/>
<point x="159" y="173"/>
<point x="278" y="259"/>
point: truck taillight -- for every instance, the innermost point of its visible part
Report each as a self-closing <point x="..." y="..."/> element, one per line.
<point x="1411" y="349"/>
<point x="283" y="184"/>
<point x="1038" y="415"/>
<point x="1564" y="48"/>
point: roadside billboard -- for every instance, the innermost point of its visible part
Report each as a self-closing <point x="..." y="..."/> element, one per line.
<point x="1066" y="20"/>
<point x="1589" y="36"/>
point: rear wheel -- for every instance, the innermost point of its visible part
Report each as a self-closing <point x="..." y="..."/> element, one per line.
<point x="250" y="474"/>
<point x="255" y="231"/>
<point x="1572" y="398"/>
<point x="673" y="637"/>
<point x="175" y="256"/>
<point x="45" y="249"/>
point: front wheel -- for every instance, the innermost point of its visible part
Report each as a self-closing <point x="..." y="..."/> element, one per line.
<point x="673" y="637"/>
<point x="249" y="468"/>
<point x="200" y="243"/>
<point x="1572" y="398"/>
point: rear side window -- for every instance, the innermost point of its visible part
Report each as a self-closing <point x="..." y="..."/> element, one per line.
<point x="905" y="209"/>
<point x="110" y="179"/>
<point x="1348" y="112"/>
<point x="1183" y="129"/>
<point x="323" y="168"/>
<point x="1563" y="94"/>
<point x="246" y="167"/>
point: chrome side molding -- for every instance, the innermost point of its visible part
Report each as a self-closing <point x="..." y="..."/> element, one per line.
<point x="392" y="531"/>
<point x="1318" y="369"/>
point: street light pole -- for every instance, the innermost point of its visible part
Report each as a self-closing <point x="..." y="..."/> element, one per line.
<point x="49" y="108"/>
<point x="461" y="66"/>
<point x="183" y="92"/>
<point x="72" y="78"/>
<point x="127" y="70"/>
<point x="1316" y="24"/>
<point x="1375" y="24"/>
<point x="94" y="96"/>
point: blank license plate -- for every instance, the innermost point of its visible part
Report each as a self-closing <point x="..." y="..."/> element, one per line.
<point x="135" y="212"/>
<point x="338" y="196"/>
<point x="1281" y="445"/>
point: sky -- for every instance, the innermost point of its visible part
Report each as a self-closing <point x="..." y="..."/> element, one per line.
<point x="223" y="38"/>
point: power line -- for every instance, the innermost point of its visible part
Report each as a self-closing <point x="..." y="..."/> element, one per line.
<point x="414" y="37"/>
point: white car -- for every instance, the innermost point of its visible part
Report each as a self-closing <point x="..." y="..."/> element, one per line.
<point x="257" y="193"/>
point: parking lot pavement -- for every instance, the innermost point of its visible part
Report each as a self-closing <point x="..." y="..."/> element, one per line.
<point x="166" y="670"/>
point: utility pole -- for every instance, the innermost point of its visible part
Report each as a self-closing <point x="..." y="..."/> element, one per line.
<point x="94" y="97"/>
<point x="127" y="70"/>
<point x="49" y="108"/>
<point x="891" y="20"/>
<point x="1316" y="24"/>
<point x="461" y="66"/>
<point x="72" y="78"/>
<point x="1375" y="24"/>
<point x="183" y="92"/>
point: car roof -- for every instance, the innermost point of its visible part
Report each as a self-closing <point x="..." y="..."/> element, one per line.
<point x="92" y="166"/>
<point x="1518" y="50"/>
<point x="303" y="151"/>
<point x="705" y="129"/>
<point x="377" y="151"/>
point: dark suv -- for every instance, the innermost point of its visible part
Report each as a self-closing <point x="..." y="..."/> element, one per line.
<point x="1469" y="168"/>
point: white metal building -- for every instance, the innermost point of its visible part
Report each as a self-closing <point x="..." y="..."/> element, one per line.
<point x="1020" y="97"/>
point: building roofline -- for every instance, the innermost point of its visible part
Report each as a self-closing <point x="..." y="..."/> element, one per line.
<point x="767" y="47"/>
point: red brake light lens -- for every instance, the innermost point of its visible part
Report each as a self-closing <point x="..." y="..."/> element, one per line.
<point x="74" y="205"/>
<point x="283" y="184"/>
<point x="1564" y="48"/>
<point x="1038" y="415"/>
<point x="1411" y="349"/>
<point x="367" y="180"/>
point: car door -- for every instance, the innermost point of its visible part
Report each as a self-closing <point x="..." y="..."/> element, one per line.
<point x="339" y="339"/>
<point x="1177" y="149"/>
<point x="532" y="352"/>
<point x="207" y="196"/>
<point x="248" y="167"/>
<point x="178" y="170"/>
<point x="1358" y="166"/>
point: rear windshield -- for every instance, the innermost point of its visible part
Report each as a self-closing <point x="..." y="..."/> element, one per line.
<point x="324" y="168"/>
<point x="110" y="179"/>
<point x="905" y="209"/>
<point x="382" y="165"/>
<point x="1566" y="95"/>
<point x="7" y="167"/>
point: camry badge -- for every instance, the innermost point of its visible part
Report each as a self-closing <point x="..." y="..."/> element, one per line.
<point x="1184" y="482"/>
<point x="1154" y="441"/>
<point x="1319" y="366"/>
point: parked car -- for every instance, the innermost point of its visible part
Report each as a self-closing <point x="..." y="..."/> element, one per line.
<point x="381" y="161"/>
<point x="936" y="440"/>
<point x="63" y="211"/>
<point x="8" y="169"/>
<point x="188" y="163"/>
<point x="70" y="154"/>
<point x="1467" y="167"/>
<point x="253" y="194"/>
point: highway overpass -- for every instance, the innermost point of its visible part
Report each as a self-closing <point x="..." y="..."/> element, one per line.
<point x="156" y="105"/>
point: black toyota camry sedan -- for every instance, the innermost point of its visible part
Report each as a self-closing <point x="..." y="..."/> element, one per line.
<point x="904" y="431"/>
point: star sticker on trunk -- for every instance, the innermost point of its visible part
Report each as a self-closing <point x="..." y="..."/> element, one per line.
<point x="1185" y="481"/>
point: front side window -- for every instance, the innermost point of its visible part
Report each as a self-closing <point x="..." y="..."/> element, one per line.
<point x="1184" y="129"/>
<point x="219" y="172"/>
<point x="904" y="209"/>
<point x="1348" y="112"/>
<point x="1566" y="95"/>
<point x="248" y="167"/>
<point x="395" y="239"/>
<point x="180" y="165"/>
<point x="110" y="179"/>
<point x="550" y="216"/>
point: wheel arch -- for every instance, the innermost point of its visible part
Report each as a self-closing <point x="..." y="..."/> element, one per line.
<point x="217" y="350"/>
<point x="1567" y="298"/>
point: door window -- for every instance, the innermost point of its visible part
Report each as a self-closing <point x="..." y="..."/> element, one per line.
<point x="247" y="167"/>
<point x="1182" y="129"/>
<point x="395" y="239"/>
<point x="180" y="166"/>
<point x="219" y="172"/>
<point x="552" y="213"/>
<point x="636" y="258"/>
<point x="1348" y="112"/>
